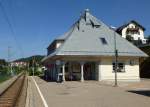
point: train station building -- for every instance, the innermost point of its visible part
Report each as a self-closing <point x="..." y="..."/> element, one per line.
<point x="87" y="52"/>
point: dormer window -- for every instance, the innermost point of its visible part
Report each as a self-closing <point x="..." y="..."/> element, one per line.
<point x="103" y="40"/>
<point x="97" y="26"/>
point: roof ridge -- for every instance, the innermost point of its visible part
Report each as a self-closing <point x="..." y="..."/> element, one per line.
<point x="73" y="26"/>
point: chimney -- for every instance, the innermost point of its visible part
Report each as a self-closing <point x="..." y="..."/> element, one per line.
<point x="87" y="11"/>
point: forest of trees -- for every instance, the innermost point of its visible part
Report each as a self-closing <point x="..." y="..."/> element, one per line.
<point x="145" y="65"/>
<point x="148" y="39"/>
<point x="36" y="58"/>
<point x="32" y="61"/>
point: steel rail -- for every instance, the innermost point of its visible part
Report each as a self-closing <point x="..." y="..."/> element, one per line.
<point x="9" y="97"/>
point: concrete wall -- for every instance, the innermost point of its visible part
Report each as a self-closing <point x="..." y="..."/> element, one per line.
<point x="131" y="71"/>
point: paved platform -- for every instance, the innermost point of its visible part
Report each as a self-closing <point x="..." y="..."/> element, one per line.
<point x="142" y="84"/>
<point x="88" y="94"/>
<point x="33" y="98"/>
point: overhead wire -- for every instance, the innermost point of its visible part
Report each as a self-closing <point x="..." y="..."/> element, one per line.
<point x="11" y="28"/>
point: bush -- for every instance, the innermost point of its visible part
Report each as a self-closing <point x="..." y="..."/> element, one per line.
<point x="36" y="71"/>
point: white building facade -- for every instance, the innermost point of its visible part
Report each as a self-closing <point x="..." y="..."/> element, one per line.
<point x="134" y="30"/>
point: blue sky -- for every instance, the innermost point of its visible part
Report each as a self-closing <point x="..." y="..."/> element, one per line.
<point x="37" y="22"/>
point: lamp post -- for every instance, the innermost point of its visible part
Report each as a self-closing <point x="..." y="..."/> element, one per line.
<point x="116" y="57"/>
<point x="58" y="63"/>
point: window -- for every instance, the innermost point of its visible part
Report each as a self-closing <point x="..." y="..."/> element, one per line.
<point x="97" y="26"/>
<point x="132" y="62"/>
<point x="139" y="38"/>
<point x="121" y="67"/>
<point x="103" y="40"/>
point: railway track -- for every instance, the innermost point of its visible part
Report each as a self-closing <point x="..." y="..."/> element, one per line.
<point x="10" y="96"/>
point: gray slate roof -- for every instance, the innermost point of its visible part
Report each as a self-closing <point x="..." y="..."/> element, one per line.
<point x="84" y="39"/>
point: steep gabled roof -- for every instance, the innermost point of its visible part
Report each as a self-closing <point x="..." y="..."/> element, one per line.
<point x="92" y="21"/>
<point x="65" y="36"/>
<point x="84" y="38"/>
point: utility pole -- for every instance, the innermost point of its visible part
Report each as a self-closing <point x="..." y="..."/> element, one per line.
<point x="9" y="63"/>
<point x="33" y="65"/>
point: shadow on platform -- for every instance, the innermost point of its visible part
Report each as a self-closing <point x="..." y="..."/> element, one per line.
<point x="46" y="79"/>
<point x="141" y="92"/>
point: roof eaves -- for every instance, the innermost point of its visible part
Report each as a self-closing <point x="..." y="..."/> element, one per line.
<point x="51" y="43"/>
<point x="98" y="53"/>
<point x="133" y="21"/>
<point x="49" y="56"/>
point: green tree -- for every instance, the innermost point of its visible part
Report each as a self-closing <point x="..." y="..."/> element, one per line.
<point x="3" y="62"/>
<point x="148" y="39"/>
<point x="3" y="66"/>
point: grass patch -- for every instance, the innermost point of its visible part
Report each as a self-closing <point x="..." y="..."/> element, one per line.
<point x="4" y="77"/>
